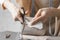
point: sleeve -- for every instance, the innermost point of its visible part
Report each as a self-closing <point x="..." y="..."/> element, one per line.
<point x="1" y="2"/>
<point x="10" y="7"/>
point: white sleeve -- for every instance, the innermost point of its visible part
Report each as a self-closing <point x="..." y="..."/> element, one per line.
<point x="10" y="7"/>
<point x="1" y="2"/>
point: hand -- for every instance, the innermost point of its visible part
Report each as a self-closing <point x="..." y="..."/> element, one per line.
<point x="19" y="17"/>
<point x="44" y="13"/>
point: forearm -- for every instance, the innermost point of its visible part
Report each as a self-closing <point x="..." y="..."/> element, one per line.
<point x="11" y="8"/>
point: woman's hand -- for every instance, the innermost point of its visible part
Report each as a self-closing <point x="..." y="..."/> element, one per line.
<point x="44" y="13"/>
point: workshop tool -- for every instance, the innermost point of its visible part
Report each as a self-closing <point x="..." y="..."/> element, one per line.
<point x="22" y="15"/>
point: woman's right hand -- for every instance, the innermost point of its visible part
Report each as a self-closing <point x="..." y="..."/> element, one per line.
<point x="44" y="13"/>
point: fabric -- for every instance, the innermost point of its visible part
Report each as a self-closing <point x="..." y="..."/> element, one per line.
<point x="12" y="9"/>
<point x="38" y="25"/>
<point x="35" y="29"/>
<point x="1" y="2"/>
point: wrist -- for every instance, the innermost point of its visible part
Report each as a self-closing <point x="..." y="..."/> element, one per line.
<point x="3" y="6"/>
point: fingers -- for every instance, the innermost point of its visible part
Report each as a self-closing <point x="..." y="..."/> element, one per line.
<point x="20" y="18"/>
<point x="37" y="20"/>
<point x="34" y="21"/>
<point x="38" y="13"/>
<point x="40" y="18"/>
